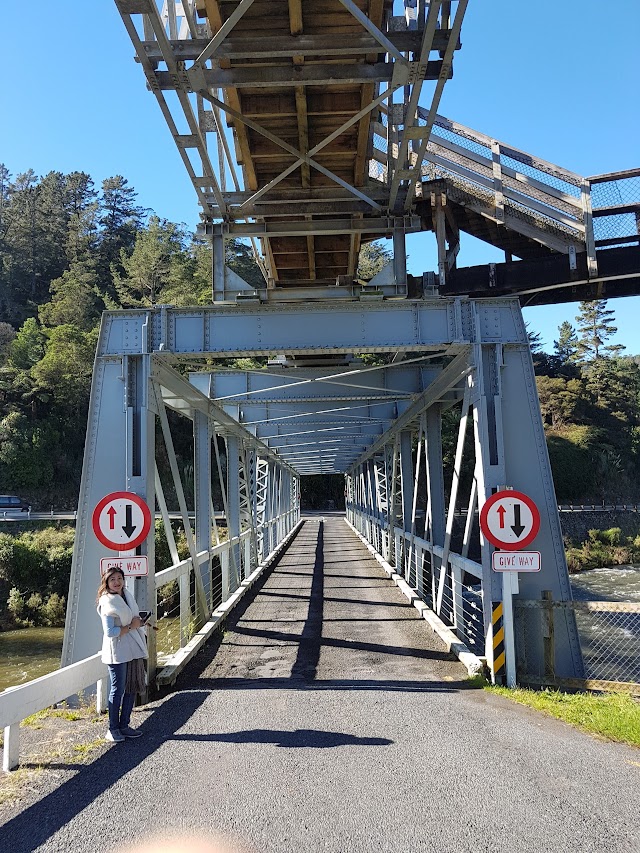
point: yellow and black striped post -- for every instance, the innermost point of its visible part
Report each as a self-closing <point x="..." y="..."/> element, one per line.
<point x="499" y="656"/>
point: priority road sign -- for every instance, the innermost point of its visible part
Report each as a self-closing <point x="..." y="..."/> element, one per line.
<point x="510" y="520"/>
<point x="121" y="521"/>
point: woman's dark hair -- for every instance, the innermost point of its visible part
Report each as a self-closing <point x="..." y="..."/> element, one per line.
<point x="104" y="583"/>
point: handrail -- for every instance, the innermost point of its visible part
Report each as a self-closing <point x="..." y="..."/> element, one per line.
<point x="19" y="702"/>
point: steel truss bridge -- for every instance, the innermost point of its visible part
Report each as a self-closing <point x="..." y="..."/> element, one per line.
<point x="311" y="127"/>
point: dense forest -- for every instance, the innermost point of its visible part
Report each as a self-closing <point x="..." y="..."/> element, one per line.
<point x="69" y="250"/>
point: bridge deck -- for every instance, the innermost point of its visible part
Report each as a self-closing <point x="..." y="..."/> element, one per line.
<point x="329" y="719"/>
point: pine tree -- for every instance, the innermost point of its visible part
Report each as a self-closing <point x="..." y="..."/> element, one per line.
<point x="595" y="326"/>
<point x="81" y="205"/>
<point x="373" y="257"/>
<point x="156" y="261"/>
<point x="120" y="219"/>
<point x="566" y="345"/>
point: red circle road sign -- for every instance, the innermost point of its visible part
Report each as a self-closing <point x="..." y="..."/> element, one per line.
<point x="121" y="521"/>
<point x="510" y="520"/>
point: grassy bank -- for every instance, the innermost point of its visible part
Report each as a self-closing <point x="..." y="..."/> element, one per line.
<point x="613" y="716"/>
<point x="603" y="548"/>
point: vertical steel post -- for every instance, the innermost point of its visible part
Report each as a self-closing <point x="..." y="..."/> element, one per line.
<point x="233" y="504"/>
<point x="435" y="491"/>
<point x="202" y="492"/>
<point x="406" y="482"/>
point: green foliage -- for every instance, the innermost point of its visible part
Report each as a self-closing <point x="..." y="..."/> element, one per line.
<point x="34" y="573"/>
<point x="37" y="561"/>
<point x="27" y="348"/>
<point x="595" y="326"/>
<point x="567" y="344"/>
<point x="604" y="548"/>
<point x="615" y="716"/>
<point x="562" y="401"/>
<point x="373" y="258"/>
<point x="157" y="260"/>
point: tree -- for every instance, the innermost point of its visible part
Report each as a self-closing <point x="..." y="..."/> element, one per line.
<point x="157" y="259"/>
<point x="595" y="327"/>
<point x="65" y="370"/>
<point x="373" y="257"/>
<point x="120" y="220"/>
<point x="567" y="344"/>
<point x="74" y="298"/>
<point x="27" y="348"/>
<point x="7" y="335"/>
<point x="81" y="206"/>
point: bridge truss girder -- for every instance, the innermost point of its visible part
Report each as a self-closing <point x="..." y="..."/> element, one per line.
<point x="131" y="446"/>
<point x="447" y="358"/>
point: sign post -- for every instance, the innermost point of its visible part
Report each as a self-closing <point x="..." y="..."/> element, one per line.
<point x="510" y="521"/>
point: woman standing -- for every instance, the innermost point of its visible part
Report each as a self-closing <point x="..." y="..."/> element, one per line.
<point x="124" y="650"/>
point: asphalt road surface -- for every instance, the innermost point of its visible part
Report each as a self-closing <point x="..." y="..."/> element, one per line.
<point x="330" y="719"/>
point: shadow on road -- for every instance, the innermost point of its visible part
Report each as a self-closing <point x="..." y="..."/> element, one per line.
<point x="306" y="738"/>
<point x="37" y="823"/>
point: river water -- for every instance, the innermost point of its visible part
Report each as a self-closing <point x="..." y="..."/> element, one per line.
<point x="621" y="583"/>
<point x="32" y="652"/>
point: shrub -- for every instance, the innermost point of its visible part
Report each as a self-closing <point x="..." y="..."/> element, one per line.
<point x="53" y="611"/>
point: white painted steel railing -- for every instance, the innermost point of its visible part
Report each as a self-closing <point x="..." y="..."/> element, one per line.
<point x="219" y="573"/>
<point x="17" y="703"/>
<point x="458" y="603"/>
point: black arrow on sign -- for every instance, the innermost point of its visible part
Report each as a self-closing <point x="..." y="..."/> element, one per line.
<point x="128" y="526"/>
<point x="518" y="526"/>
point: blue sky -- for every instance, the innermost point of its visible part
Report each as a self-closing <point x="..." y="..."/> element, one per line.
<point x="558" y="78"/>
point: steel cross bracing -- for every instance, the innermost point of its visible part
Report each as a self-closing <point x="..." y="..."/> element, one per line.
<point x="214" y="473"/>
<point x="310" y="128"/>
<point x="272" y="108"/>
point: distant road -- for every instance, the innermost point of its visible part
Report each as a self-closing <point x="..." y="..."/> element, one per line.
<point x="68" y="515"/>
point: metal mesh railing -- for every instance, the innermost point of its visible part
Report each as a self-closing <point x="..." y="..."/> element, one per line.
<point x="609" y="634"/>
<point x="610" y="640"/>
<point x="616" y="208"/>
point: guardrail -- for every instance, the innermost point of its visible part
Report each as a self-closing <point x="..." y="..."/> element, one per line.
<point x="609" y="632"/>
<point x="17" y="703"/>
<point x="448" y="592"/>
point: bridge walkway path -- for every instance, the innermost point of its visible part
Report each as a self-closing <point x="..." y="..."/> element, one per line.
<point x="331" y="719"/>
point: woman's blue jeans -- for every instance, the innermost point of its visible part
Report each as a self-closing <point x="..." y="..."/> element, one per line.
<point x="120" y="703"/>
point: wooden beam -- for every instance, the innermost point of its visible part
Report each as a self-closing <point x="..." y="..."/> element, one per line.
<point x="242" y="47"/>
<point x="296" y="24"/>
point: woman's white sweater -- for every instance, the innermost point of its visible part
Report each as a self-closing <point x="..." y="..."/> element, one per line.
<point x="124" y="647"/>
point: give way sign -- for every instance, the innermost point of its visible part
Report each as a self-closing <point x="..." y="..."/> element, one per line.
<point x="121" y="521"/>
<point x="510" y="520"/>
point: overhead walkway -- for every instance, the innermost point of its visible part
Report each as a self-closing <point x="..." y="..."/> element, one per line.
<point x="312" y="128"/>
<point x="330" y="718"/>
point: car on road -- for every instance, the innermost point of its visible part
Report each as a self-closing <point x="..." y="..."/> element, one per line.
<point x="13" y="502"/>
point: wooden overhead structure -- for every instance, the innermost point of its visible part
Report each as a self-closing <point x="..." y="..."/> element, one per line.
<point x="306" y="71"/>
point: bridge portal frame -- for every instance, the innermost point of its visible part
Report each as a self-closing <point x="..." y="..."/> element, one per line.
<point x="479" y="360"/>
